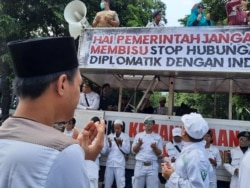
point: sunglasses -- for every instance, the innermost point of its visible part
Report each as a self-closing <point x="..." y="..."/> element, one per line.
<point x="243" y="139"/>
<point x="149" y="122"/>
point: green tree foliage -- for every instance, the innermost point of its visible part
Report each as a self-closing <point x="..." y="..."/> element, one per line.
<point x="25" y="19"/>
<point x="217" y="10"/>
<point x="241" y="106"/>
<point x="132" y="13"/>
<point x="8" y="29"/>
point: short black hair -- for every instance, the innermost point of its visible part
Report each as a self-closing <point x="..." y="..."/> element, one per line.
<point x="200" y="5"/>
<point x="73" y="120"/>
<point x="34" y="87"/>
<point x="95" y="119"/>
<point x="108" y="1"/>
<point x="156" y="13"/>
<point x="105" y="85"/>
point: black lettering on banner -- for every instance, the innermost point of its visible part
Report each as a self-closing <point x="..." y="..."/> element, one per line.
<point x="169" y="50"/>
<point x="153" y="50"/>
<point x="194" y="62"/>
<point x="120" y="60"/>
<point x="93" y="59"/>
<point x="239" y="62"/>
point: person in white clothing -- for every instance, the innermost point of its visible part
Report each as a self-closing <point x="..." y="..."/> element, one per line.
<point x="147" y="146"/>
<point x="236" y="155"/>
<point x="174" y="147"/>
<point x="70" y="129"/>
<point x="214" y="158"/>
<point x="118" y="146"/>
<point x="33" y="153"/>
<point x="156" y="20"/>
<point x="161" y="109"/>
<point x="89" y="100"/>
<point x="192" y="167"/>
<point x="244" y="169"/>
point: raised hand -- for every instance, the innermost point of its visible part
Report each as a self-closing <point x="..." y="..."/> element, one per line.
<point x="90" y="132"/>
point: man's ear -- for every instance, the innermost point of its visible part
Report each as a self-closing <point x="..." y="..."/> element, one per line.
<point x="183" y="132"/>
<point x="61" y="84"/>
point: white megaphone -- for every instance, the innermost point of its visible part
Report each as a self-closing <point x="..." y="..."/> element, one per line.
<point x="75" y="14"/>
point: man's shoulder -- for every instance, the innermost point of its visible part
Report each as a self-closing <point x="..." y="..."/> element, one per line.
<point x="150" y="24"/>
<point x="94" y="93"/>
<point x="169" y="144"/>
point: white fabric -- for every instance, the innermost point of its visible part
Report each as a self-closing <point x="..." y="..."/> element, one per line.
<point x="195" y="125"/>
<point x="148" y="118"/>
<point x="118" y="121"/>
<point x="114" y="172"/>
<point x="172" y="150"/>
<point x="24" y="164"/>
<point x="153" y="24"/>
<point x="115" y="163"/>
<point x="192" y="168"/>
<point x="213" y="153"/>
<point x="244" y="171"/>
<point x="146" y="153"/>
<point x="68" y="133"/>
<point x="176" y="131"/>
<point x="236" y="155"/>
<point x="146" y="174"/>
<point x="93" y="100"/>
<point x="161" y="110"/>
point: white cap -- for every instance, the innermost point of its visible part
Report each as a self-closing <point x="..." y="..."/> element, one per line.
<point x="176" y="131"/>
<point x="195" y="125"/>
<point x="118" y="121"/>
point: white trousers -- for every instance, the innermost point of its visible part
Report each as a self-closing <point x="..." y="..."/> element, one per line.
<point x="114" y="172"/>
<point x="234" y="181"/>
<point x="146" y="175"/>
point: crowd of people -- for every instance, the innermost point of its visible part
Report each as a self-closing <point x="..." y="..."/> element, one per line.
<point x="34" y="154"/>
<point x="91" y="100"/>
<point x="236" y="10"/>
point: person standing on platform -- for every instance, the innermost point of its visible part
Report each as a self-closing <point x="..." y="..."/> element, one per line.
<point x="106" y="17"/>
<point x="89" y="100"/>
<point x="161" y="109"/>
<point x="197" y="16"/>
<point x="157" y="15"/>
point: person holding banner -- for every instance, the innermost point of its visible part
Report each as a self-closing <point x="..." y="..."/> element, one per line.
<point x="106" y="17"/>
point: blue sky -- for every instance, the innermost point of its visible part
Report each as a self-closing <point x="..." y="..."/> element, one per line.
<point x="177" y="9"/>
